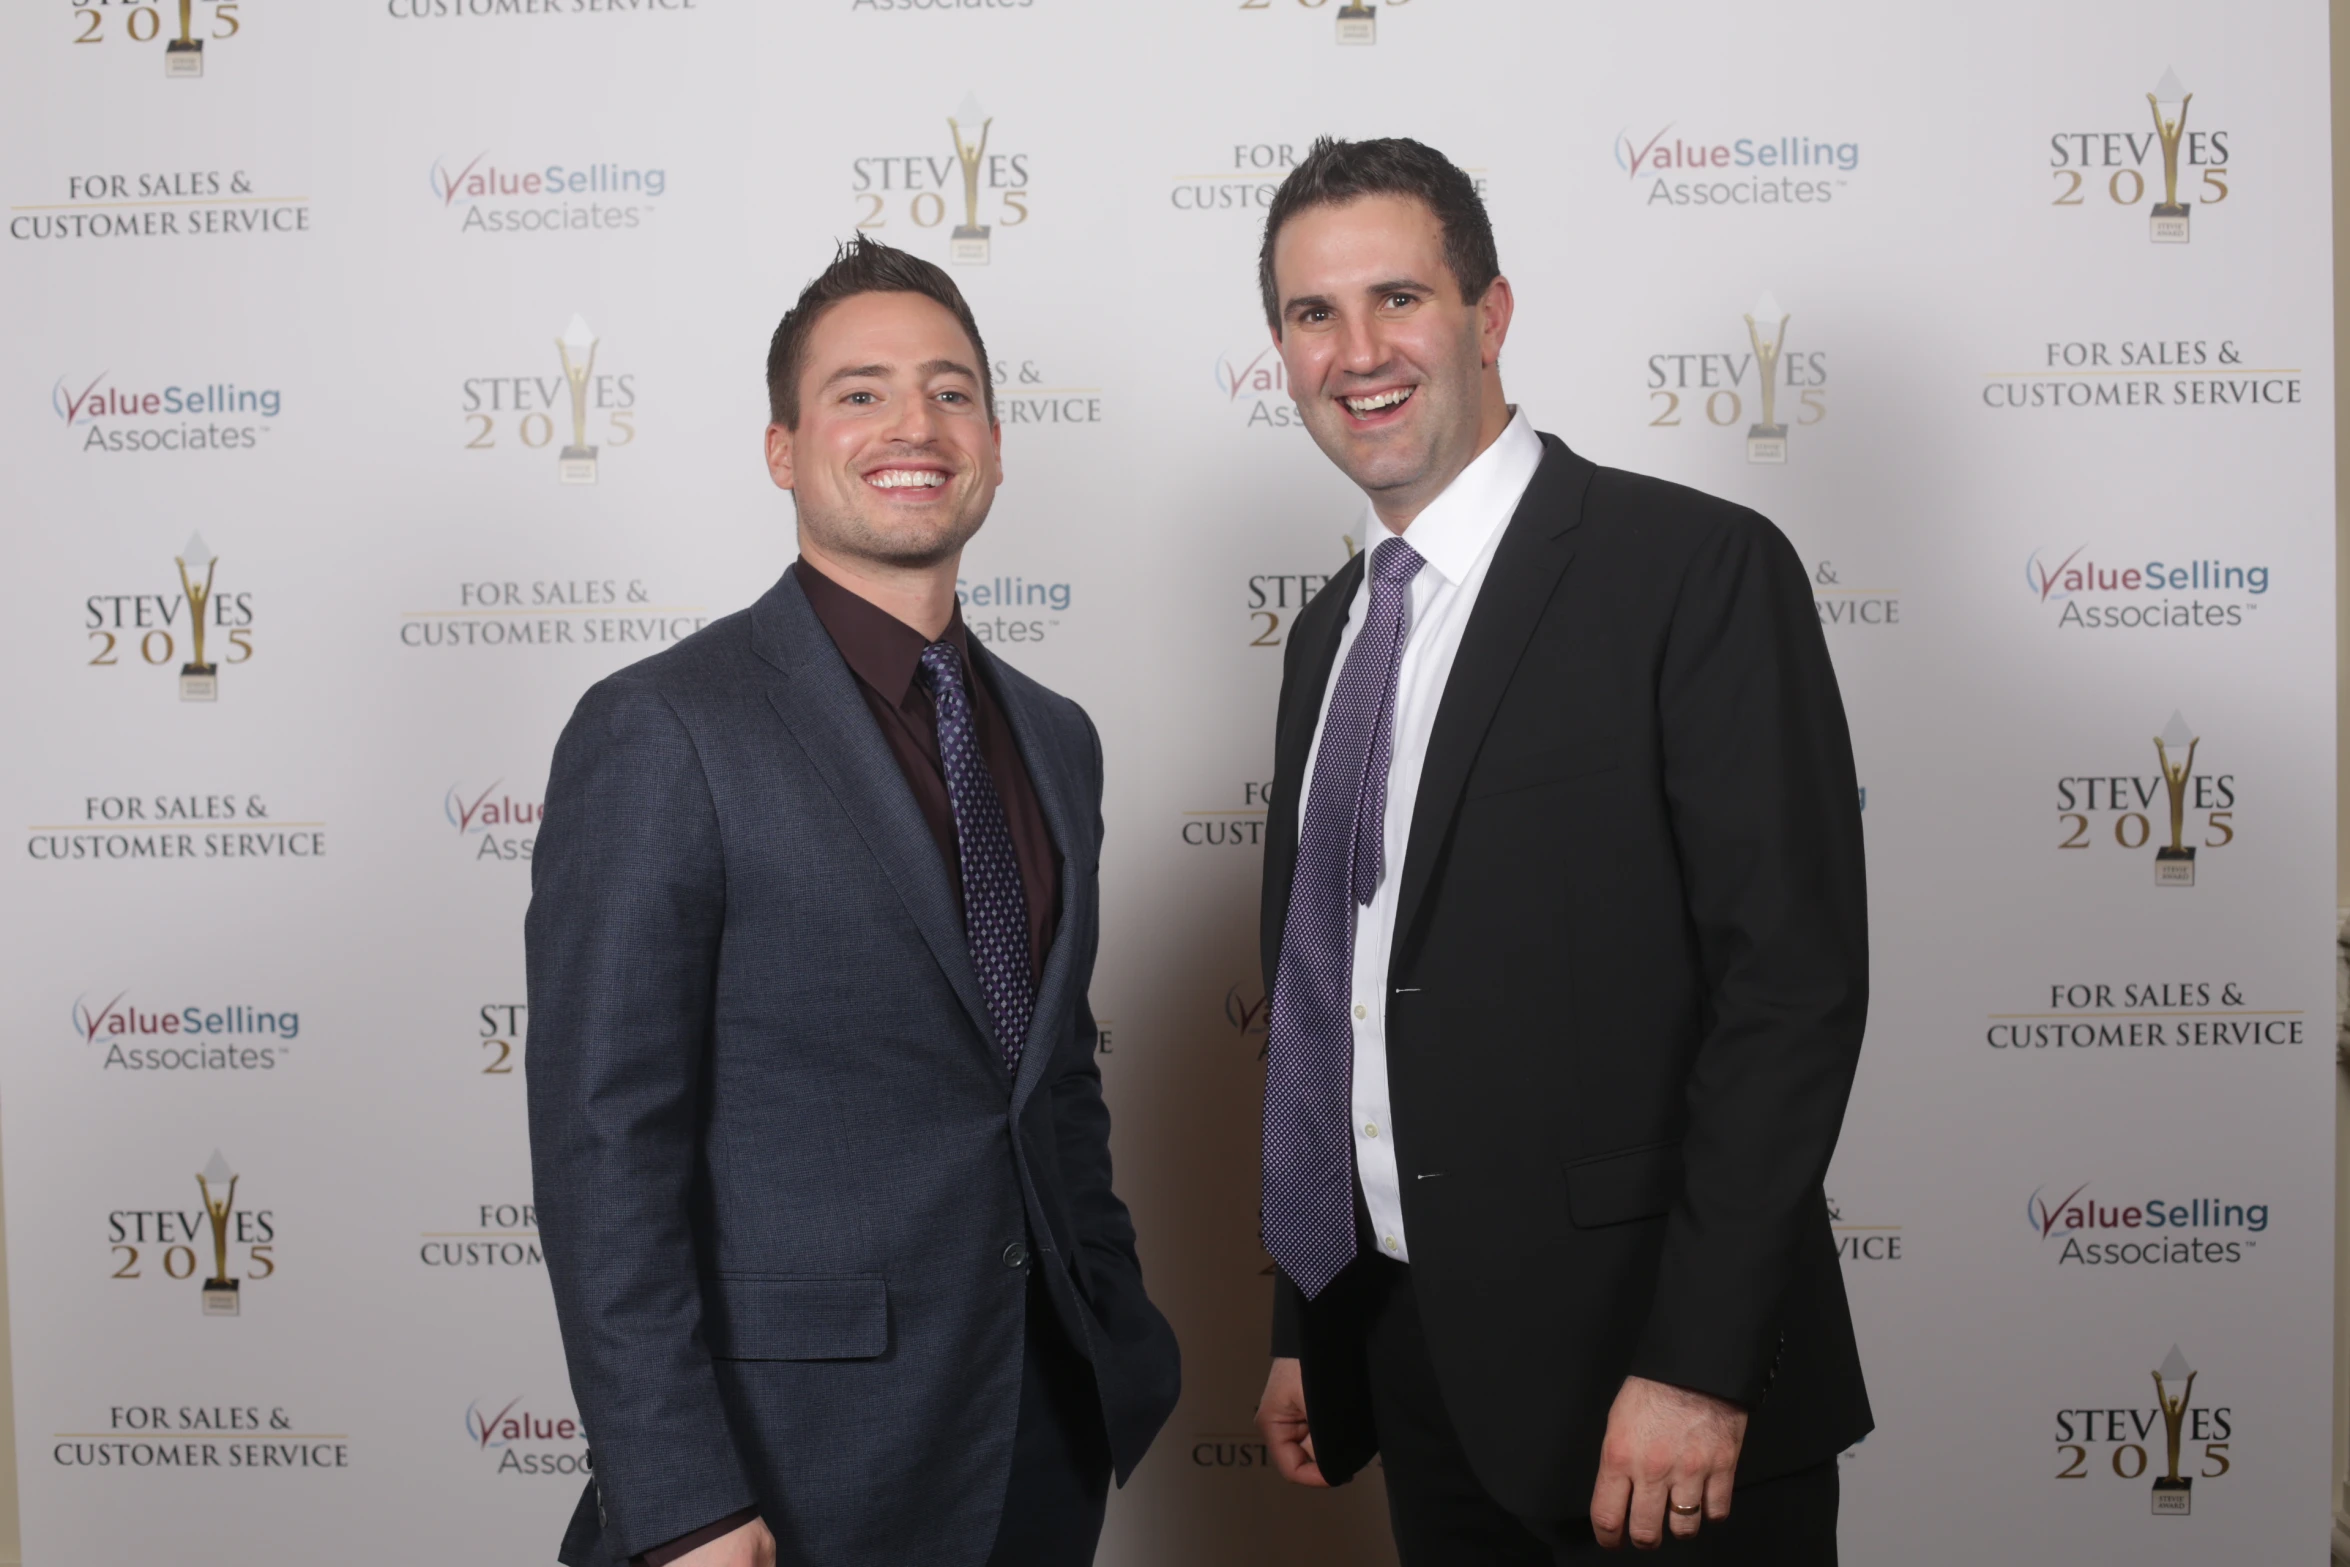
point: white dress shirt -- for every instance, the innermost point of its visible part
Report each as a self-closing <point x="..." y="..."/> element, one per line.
<point x="1456" y="536"/>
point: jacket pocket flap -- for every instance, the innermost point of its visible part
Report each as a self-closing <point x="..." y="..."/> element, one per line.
<point x="797" y="1319"/>
<point x="1553" y="764"/>
<point x="1638" y="1183"/>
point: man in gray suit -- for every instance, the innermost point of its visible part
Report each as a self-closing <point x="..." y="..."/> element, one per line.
<point x="822" y="1163"/>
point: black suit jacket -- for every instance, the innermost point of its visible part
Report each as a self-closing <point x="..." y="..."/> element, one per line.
<point x="1628" y="984"/>
<point x="789" y="1201"/>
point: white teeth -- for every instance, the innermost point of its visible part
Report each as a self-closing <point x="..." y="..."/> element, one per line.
<point x="1367" y="405"/>
<point x="906" y="479"/>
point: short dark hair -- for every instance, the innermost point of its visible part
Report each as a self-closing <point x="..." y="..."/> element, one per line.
<point x="861" y="266"/>
<point x="1334" y="172"/>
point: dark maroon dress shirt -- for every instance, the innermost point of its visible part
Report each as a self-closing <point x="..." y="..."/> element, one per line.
<point x="885" y="655"/>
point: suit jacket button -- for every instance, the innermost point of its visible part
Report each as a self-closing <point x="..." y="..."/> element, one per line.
<point x="1016" y="1255"/>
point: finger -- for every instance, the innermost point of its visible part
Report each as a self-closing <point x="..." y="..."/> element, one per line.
<point x="1611" y="1500"/>
<point x="1718" y="1486"/>
<point x="1647" y="1524"/>
<point x="1292" y="1453"/>
<point x="1683" y="1509"/>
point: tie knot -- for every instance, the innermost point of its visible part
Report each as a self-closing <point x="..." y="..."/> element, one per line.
<point x="940" y="666"/>
<point x="1394" y="563"/>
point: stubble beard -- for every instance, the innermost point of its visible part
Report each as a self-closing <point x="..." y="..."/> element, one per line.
<point x="850" y="534"/>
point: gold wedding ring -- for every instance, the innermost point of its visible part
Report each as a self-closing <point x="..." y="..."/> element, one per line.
<point x="1685" y="1509"/>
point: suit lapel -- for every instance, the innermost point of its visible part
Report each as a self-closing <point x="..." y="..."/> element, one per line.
<point x="817" y="699"/>
<point x="1055" y="778"/>
<point x="1527" y="565"/>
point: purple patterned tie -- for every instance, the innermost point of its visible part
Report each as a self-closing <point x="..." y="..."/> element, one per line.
<point x="995" y="906"/>
<point x="1309" y="1074"/>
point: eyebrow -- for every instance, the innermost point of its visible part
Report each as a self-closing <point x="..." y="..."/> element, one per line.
<point x="928" y="367"/>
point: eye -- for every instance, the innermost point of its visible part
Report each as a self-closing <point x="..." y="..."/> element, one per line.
<point x="860" y="397"/>
<point x="954" y="397"/>
<point x="1401" y="301"/>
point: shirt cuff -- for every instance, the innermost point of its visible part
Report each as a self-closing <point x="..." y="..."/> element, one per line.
<point x="663" y="1555"/>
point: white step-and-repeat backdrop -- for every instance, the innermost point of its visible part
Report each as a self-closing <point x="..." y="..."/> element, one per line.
<point x="380" y="373"/>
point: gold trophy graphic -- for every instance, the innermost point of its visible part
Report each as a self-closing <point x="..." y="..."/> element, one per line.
<point x="199" y="681"/>
<point x="2169" y="102"/>
<point x="577" y="345"/>
<point x="1358" y="23"/>
<point x="2173" y="1496"/>
<point x="2175" y="866"/>
<point x="220" y="1291"/>
<point x="969" y="245"/>
<point x="184" y="55"/>
<point x="1767" y="441"/>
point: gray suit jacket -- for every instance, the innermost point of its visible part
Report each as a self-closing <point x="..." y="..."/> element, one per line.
<point x="780" y="1175"/>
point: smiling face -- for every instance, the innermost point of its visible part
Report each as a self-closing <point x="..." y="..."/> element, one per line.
<point x="895" y="461"/>
<point x="1396" y="373"/>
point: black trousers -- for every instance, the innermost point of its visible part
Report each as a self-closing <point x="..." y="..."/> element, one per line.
<point x="1060" y="1483"/>
<point x="1442" y="1516"/>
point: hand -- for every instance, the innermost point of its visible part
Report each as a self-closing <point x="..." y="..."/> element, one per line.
<point x="749" y="1546"/>
<point x="1664" y="1444"/>
<point x="1281" y="1416"/>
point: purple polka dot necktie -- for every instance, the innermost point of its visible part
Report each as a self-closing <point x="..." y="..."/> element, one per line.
<point x="1309" y="1074"/>
<point x="995" y="905"/>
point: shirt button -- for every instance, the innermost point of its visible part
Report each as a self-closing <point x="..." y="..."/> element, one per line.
<point x="1362" y="1011"/>
<point x="1015" y="1255"/>
<point x="1370" y="1129"/>
<point x="1392" y="1244"/>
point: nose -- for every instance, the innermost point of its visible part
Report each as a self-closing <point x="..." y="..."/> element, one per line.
<point x="915" y="421"/>
<point x="1359" y="348"/>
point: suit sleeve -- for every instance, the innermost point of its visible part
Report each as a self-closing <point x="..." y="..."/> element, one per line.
<point x="1764" y="807"/>
<point x="627" y="902"/>
<point x="1081" y="1119"/>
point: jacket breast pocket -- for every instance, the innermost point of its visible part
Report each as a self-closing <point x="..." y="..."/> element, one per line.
<point x="752" y="1318"/>
<point x="1550" y="765"/>
<point x="1616" y="1188"/>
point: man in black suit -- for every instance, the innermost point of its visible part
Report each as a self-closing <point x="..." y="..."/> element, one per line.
<point x="1566" y="933"/>
<point x="823" y="1169"/>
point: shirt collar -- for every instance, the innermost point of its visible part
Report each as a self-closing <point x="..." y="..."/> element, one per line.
<point x="880" y="649"/>
<point x="1456" y="526"/>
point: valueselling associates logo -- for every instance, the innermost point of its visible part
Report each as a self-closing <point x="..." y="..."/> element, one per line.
<point x="1254" y="386"/>
<point x="526" y="1441"/>
<point x="2180" y="1440"/>
<point x="494" y="825"/>
<point x="2156" y="1231"/>
<point x="2164" y="164"/>
<point x="169" y="1246"/>
<point x="204" y="416"/>
<point x="205" y="1037"/>
<point x="1676" y="167"/>
<point x="139" y="27"/>
<point x="975" y="178"/>
<point x="1000" y="610"/>
<point x="206" y="622"/>
<point x="486" y="194"/>
<point x="1760" y="379"/>
<point x="2200" y="592"/>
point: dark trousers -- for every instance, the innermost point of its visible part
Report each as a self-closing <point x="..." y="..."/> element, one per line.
<point x="1060" y="1482"/>
<point x="1442" y="1516"/>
